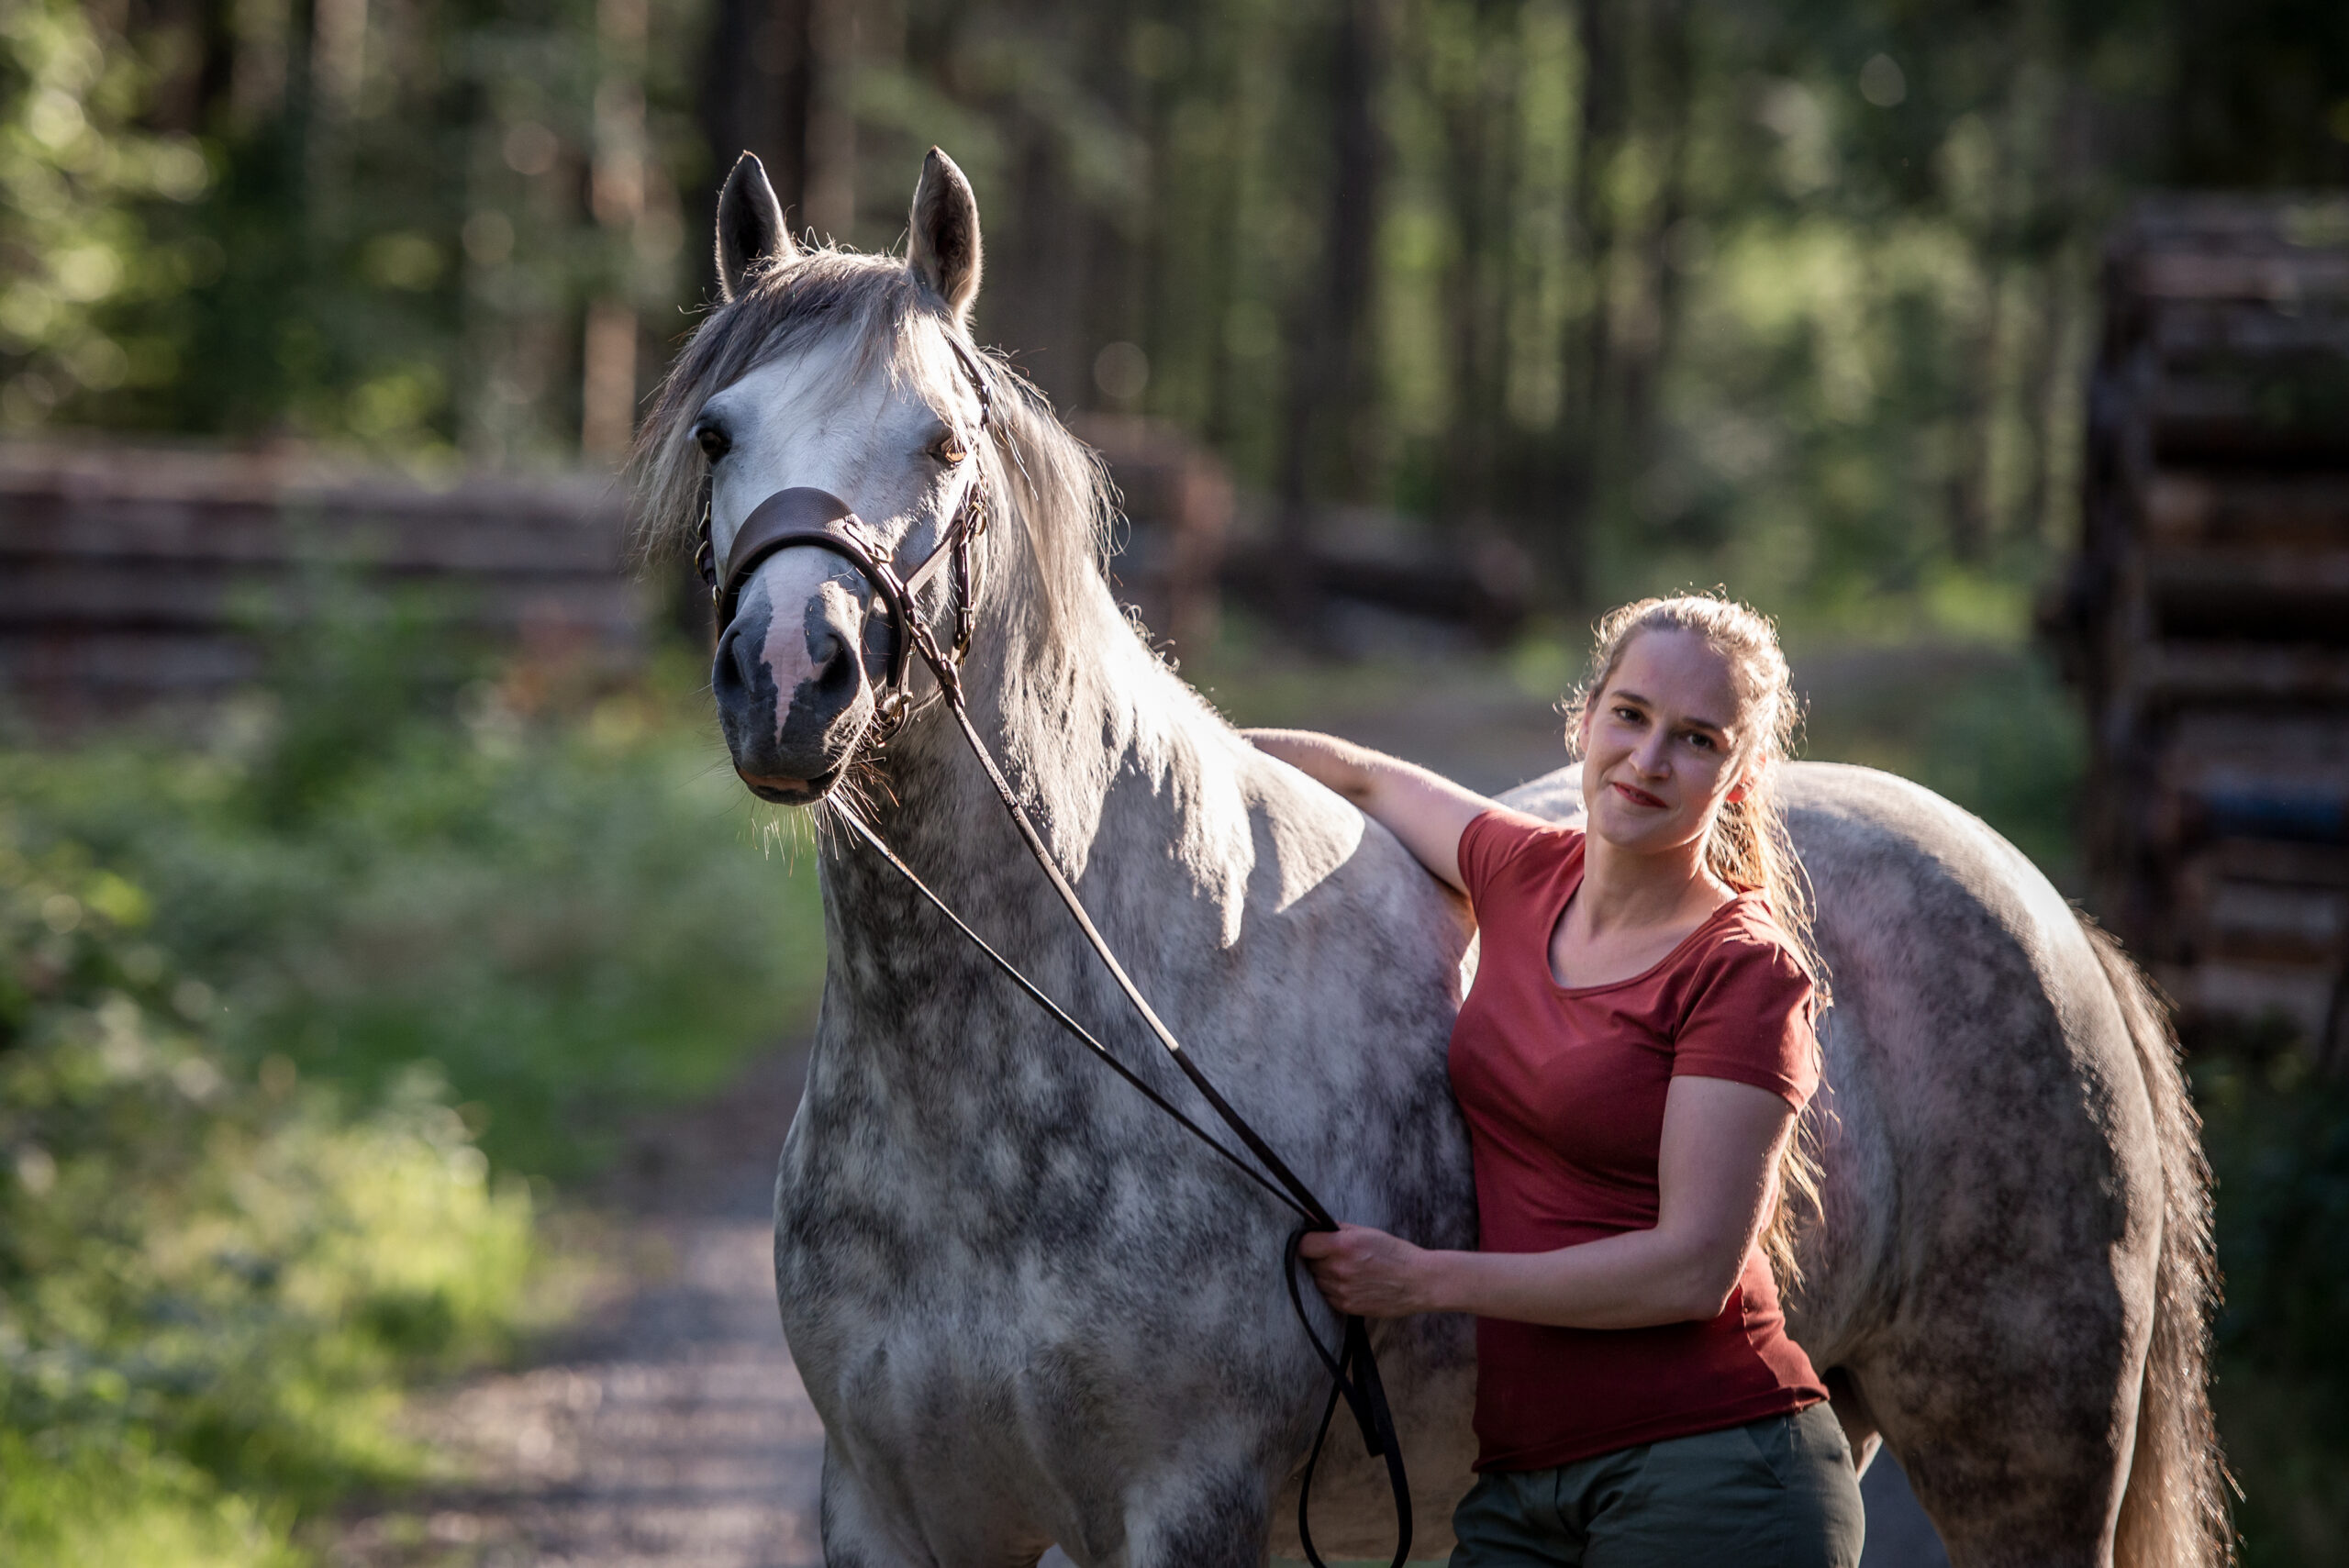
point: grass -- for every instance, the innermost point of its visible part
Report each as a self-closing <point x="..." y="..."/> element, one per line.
<point x="571" y="916"/>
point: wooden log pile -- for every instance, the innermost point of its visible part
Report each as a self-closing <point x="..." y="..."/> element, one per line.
<point x="137" y="578"/>
<point x="2205" y="616"/>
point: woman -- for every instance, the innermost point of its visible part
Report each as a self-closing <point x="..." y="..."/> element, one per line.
<point x="1631" y="1061"/>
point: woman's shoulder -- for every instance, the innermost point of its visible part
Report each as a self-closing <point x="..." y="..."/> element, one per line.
<point x="1506" y="825"/>
<point x="1749" y="1011"/>
<point x="1502" y="838"/>
<point x="1744" y="941"/>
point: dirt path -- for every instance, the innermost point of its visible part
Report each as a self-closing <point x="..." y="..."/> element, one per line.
<point x="667" y="1426"/>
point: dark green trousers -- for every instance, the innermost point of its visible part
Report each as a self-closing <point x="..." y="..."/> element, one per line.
<point x="1778" y="1493"/>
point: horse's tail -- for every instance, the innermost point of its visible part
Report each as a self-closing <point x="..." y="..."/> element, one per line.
<point x="2174" y="1512"/>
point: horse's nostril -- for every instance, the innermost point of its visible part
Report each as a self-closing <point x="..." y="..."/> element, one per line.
<point x="731" y="673"/>
<point x="833" y="667"/>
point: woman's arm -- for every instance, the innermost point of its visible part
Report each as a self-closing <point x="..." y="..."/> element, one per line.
<point x="1713" y="1175"/>
<point x="1426" y="810"/>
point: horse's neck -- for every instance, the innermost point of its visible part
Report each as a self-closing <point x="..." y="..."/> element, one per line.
<point x="1113" y="760"/>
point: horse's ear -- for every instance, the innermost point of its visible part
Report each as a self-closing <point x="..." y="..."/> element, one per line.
<point x="944" y="247"/>
<point x="750" y="232"/>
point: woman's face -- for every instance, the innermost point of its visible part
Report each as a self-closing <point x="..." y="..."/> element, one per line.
<point x="1660" y="744"/>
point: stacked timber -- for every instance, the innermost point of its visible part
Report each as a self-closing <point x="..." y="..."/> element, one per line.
<point x="2206" y="614"/>
<point x="134" y="578"/>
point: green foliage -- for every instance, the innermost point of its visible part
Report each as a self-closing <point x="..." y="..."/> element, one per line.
<point x="1987" y="726"/>
<point x="78" y="175"/>
<point x="571" y="919"/>
<point x="209" y="1278"/>
<point x="283" y="1017"/>
<point x="1795" y="296"/>
<point x="2277" y="1134"/>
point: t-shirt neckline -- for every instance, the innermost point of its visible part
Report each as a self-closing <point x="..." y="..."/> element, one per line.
<point x="1550" y="930"/>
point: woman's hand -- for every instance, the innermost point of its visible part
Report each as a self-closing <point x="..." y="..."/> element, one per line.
<point x="1368" y="1273"/>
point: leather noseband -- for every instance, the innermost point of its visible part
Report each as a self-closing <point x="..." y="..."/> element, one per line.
<point x="804" y="516"/>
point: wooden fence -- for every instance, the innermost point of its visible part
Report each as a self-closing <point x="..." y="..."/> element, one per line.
<point x="136" y="577"/>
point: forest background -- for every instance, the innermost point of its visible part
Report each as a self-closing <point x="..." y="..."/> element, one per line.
<point x="1795" y="296"/>
<point x="297" y="1017"/>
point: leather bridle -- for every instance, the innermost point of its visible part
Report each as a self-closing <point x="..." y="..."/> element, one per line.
<point x="803" y="517"/>
<point x="818" y="519"/>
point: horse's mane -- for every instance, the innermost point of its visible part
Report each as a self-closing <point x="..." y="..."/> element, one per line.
<point x="1054" y="484"/>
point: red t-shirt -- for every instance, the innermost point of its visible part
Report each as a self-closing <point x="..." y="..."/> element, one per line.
<point x="1564" y="1089"/>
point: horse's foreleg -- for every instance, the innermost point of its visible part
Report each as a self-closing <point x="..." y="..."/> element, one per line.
<point x="871" y="1527"/>
<point x="857" y="1532"/>
<point x="1209" y="1516"/>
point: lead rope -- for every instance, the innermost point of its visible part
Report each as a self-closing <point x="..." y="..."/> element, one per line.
<point x="1353" y="1367"/>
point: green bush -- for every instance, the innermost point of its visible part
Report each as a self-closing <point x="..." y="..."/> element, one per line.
<point x="209" y="1279"/>
<point x="2277" y="1134"/>
<point x="379" y="862"/>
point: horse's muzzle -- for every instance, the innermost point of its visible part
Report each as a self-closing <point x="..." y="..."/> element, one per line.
<point x="784" y="791"/>
<point x="792" y="692"/>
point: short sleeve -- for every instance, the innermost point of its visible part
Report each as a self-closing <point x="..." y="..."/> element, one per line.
<point x="1494" y="842"/>
<point x="1749" y="1021"/>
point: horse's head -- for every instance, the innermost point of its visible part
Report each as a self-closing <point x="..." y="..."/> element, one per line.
<point x="827" y="370"/>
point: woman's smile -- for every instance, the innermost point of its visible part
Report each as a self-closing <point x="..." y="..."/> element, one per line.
<point x="1638" y="797"/>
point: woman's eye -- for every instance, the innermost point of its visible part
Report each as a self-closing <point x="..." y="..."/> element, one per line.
<point x="714" y="442"/>
<point x="1700" y="741"/>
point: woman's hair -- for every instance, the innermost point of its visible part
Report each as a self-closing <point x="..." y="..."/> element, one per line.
<point x="1747" y="845"/>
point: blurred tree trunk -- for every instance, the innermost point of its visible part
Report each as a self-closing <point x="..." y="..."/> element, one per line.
<point x="1628" y="194"/>
<point x="1586" y="352"/>
<point x="1478" y="121"/>
<point x="2050" y="383"/>
<point x="1970" y="523"/>
<point x="828" y="114"/>
<point x="607" y="359"/>
<point x="1326" y="395"/>
<point x="1669" y="77"/>
<point x="757" y="84"/>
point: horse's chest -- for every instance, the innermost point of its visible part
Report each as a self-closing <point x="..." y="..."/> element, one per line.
<point x="1012" y="1264"/>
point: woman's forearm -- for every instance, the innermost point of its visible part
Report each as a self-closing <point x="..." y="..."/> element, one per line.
<point x="1636" y="1280"/>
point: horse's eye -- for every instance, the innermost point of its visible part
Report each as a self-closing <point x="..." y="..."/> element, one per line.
<point x="714" y="442"/>
<point x="948" y="448"/>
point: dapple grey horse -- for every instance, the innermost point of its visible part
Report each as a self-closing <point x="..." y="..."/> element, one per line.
<point x="1030" y="1312"/>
